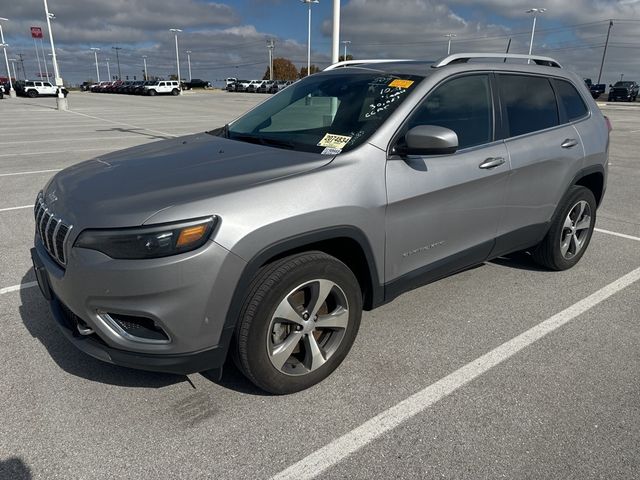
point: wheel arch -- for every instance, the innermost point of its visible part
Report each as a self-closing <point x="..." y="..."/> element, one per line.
<point x="593" y="179"/>
<point x="348" y="244"/>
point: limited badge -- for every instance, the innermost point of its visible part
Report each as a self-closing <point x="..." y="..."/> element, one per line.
<point x="334" y="141"/>
<point x="331" y="151"/>
<point x="398" y="83"/>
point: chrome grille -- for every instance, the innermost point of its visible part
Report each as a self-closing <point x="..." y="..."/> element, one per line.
<point x="53" y="232"/>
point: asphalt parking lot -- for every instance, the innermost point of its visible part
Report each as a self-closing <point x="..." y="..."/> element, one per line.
<point x="502" y="371"/>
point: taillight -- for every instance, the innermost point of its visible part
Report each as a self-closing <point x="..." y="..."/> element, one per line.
<point x="609" y="126"/>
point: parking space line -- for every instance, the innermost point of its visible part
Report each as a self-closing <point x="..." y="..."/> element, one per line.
<point x="15" y="288"/>
<point x="79" y="139"/>
<point x="49" y="152"/>
<point x="29" y="173"/>
<point x="120" y="123"/>
<point x="616" y="234"/>
<point x="15" y="208"/>
<point x="339" y="449"/>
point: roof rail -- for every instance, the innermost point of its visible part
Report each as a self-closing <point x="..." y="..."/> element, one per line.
<point x="465" y="57"/>
<point x="355" y="63"/>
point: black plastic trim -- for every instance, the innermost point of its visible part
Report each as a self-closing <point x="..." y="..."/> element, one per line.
<point x="437" y="270"/>
<point x="521" y="239"/>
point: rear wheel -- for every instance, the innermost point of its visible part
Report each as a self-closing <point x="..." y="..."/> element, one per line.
<point x="570" y="232"/>
<point x="298" y="323"/>
<point x="175" y="92"/>
<point x="152" y="93"/>
<point x="32" y="94"/>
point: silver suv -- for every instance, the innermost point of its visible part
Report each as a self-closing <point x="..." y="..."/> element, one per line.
<point x="266" y="238"/>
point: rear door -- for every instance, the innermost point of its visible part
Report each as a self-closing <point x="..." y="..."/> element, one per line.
<point x="443" y="210"/>
<point x="545" y="153"/>
<point x="48" y="89"/>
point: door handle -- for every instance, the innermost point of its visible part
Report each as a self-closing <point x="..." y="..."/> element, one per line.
<point x="492" y="162"/>
<point x="569" y="143"/>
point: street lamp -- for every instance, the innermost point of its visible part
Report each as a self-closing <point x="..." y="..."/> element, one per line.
<point x="535" y="12"/>
<point x="271" y="44"/>
<point x="175" y="34"/>
<point x="61" y="101"/>
<point x="117" y="49"/>
<point x="12" y="92"/>
<point x="13" y="65"/>
<point x="189" y="62"/>
<point x="309" y="3"/>
<point x="109" y="70"/>
<point x="346" y="42"/>
<point x="146" y="76"/>
<point x="449" y="36"/>
<point x="95" y="53"/>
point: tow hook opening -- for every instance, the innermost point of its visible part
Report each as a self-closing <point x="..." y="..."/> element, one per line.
<point x="83" y="328"/>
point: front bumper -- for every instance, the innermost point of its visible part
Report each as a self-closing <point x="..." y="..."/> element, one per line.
<point x="187" y="296"/>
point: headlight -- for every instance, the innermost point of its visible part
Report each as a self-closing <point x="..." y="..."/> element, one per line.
<point x="148" y="242"/>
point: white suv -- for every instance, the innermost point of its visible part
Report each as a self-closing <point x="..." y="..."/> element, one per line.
<point x="34" y="89"/>
<point x="163" y="87"/>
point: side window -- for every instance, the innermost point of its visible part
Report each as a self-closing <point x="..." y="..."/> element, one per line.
<point x="462" y="104"/>
<point x="38" y="84"/>
<point x="530" y="103"/>
<point x="46" y="84"/>
<point x="161" y="84"/>
<point x="571" y="100"/>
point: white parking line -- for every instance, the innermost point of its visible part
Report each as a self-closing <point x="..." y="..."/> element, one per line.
<point x="120" y="123"/>
<point x="49" y="152"/>
<point x="15" y="208"/>
<point x="339" y="449"/>
<point x="15" y="288"/>
<point x="616" y="234"/>
<point x="29" y="173"/>
<point x="79" y="139"/>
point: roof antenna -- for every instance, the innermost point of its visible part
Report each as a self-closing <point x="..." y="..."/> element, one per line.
<point x="508" y="47"/>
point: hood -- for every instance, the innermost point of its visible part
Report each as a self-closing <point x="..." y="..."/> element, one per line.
<point x="125" y="188"/>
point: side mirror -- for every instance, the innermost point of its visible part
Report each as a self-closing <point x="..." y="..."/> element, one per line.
<point x="610" y="86"/>
<point x="428" y="140"/>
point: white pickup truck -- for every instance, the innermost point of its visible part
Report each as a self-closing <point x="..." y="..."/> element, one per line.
<point x="37" y="88"/>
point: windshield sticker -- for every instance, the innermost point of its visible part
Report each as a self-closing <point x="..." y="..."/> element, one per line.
<point x="334" y="141"/>
<point x="331" y="151"/>
<point x="401" y="83"/>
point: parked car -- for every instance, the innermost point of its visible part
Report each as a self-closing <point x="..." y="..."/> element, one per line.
<point x="266" y="86"/>
<point x="1" y="91"/>
<point x="254" y="86"/>
<point x="627" y="90"/>
<point x="38" y="88"/>
<point x="229" y="81"/>
<point x="279" y="85"/>
<point x="241" y="85"/>
<point x="267" y="237"/>
<point x="162" y="87"/>
<point x="598" y="89"/>
<point x="197" y="83"/>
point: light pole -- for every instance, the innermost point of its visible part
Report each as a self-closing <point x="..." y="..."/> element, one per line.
<point x="61" y="101"/>
<point x="12" y="92"/>
<point x="309" y="3"/>
<point x="117" y="49"/>
<point x="189" y="62"/>
<point x="95" y="53"/>
<point x="346" y="42"/>
<point x="270" y="46"/>
<point x="108" y="70"/>
<point x="175" y="34"/>
<point x="621" y="76"/>
<point x="535" y="12"/>
<point x="335" y="40"/>
<point x="13" y="65"/>
<point x="146" y="76"/>
<point x="449" y="36"/>
<point x="604" y="52"/>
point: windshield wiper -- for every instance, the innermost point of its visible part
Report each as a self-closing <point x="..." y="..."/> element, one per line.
<point x="271" y="142"/>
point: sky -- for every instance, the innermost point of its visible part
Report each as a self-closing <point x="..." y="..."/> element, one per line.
<point x="228" y="38"/>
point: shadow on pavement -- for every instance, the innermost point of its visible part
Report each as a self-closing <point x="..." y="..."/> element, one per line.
<point x="36" y="316"/>
<point x="15" y="469"/>
<point x="137" y="131"/>
<point x="520" y="261"/>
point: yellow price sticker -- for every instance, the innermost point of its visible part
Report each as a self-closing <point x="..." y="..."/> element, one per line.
<point x="401" y="83"/>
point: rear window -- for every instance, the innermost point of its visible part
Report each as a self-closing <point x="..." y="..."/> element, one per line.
<point x="571" y="100"/>
<point x="530" y="103"/>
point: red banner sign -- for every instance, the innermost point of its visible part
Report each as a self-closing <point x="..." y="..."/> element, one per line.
<point x="36" y="32"/>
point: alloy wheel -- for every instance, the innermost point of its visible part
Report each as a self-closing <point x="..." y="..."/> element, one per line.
<point x="575" y="230"/>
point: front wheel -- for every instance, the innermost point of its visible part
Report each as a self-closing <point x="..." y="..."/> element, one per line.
<point x="152" y="93"/>
<point x="570" y="231"/>
<point x="32" y="94"/>
<point x="175" y="92"/>
<point x="298" y="323"/>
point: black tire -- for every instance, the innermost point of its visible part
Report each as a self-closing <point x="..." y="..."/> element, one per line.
<point x="175" y="92"/>
<point x="32" y="94"/>
<point x="152" y="93"/>
<point x="271" y="285"/>
<point x="548" y="252"/>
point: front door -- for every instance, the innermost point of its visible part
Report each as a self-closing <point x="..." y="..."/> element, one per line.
<point x="443" y="211"/>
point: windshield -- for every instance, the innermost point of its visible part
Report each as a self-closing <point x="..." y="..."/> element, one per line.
<point x="325" y="113"/>
<point x="623" y="84"/>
